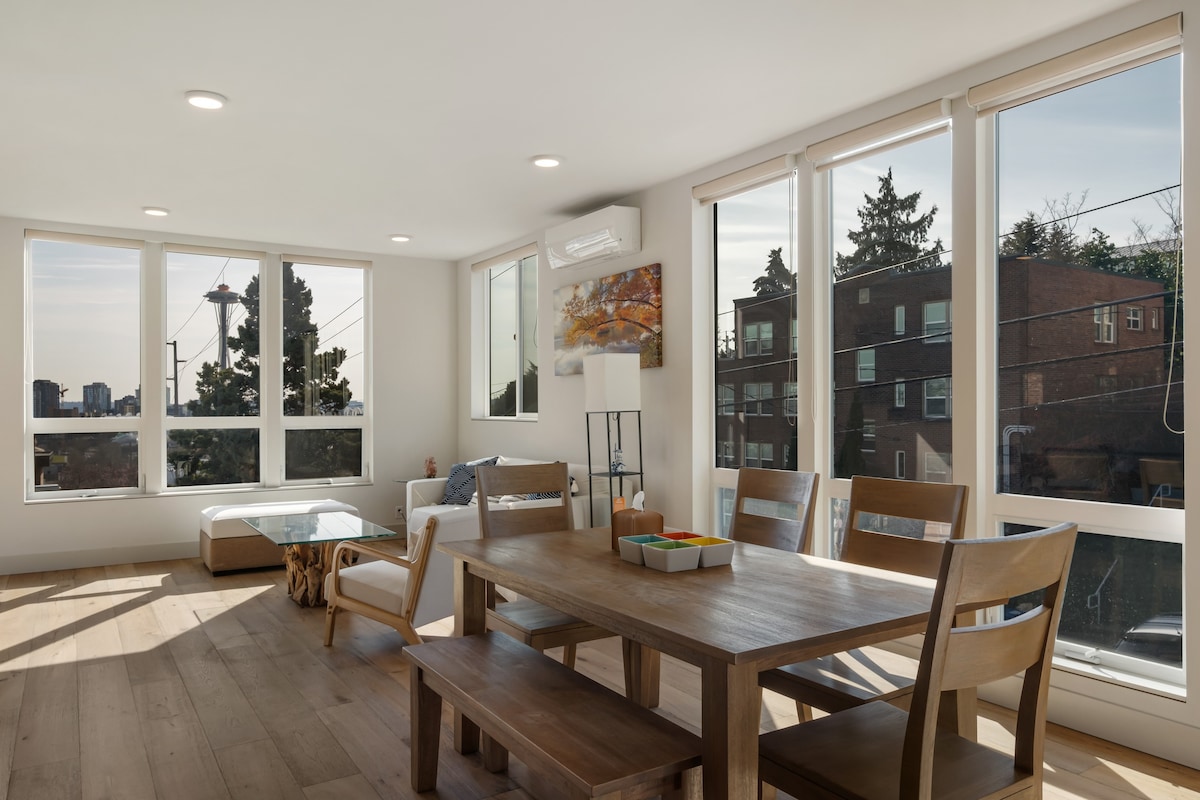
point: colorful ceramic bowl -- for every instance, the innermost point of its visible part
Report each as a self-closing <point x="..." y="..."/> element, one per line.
<point x="679" y="535"/>
<point x="714" y="551"/>
<point x="631" y="546"/>
<point x="671" y="556"/>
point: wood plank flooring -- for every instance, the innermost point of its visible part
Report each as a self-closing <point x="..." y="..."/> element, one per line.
<point x="141" y="681"/>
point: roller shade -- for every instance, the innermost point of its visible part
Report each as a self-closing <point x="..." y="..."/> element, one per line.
<point x="744" y="179"/>
<point x="1115" y="54"/>
<point x="504" y="258"/>
<point x="930" y="119"/>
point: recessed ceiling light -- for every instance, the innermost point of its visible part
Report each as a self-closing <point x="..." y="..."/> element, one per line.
<point x="155" y="211"/>
<point x="401" y="237"/>
<point x="210" y="101"/>
<point x="546" y="161"/>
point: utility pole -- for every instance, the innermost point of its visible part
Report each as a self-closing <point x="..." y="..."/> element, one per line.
<point x="175" y="361"/>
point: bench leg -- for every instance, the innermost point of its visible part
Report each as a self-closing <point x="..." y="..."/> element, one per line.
<point x="495" y="757"/>
<point x="426" y="719"/>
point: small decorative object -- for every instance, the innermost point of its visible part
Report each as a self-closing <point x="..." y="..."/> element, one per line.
<point x="431" y="467"/>
<point x="618" y="461"/>
<point x="634" y="521"/>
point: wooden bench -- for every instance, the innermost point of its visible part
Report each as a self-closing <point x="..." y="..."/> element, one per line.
<point x="579" y="737"/>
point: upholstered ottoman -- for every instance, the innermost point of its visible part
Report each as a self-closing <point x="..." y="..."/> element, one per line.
<point x="227" y="542"/>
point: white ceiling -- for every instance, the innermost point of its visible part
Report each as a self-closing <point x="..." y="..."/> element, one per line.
<point x="348" y="122"/>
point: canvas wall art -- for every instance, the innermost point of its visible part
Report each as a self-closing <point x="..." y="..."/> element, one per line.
<point x="619" y="313"/>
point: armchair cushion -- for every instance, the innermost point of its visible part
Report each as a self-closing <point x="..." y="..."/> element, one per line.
<point x="460" y="486"/>
<point x="376" y="583"/>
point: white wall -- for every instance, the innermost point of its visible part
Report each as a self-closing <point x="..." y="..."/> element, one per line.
<point x="676" y="399"/>
<point x="414" y="338"/>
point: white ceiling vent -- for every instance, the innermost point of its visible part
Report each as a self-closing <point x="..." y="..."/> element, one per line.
<point x="608" y="233"/>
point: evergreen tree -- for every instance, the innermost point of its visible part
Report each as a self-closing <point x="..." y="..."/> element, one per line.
<point x="1025" y="239"/>
<point x="1099" y="252"/>
<point x="892" y="234"/>
<point x="777" y="278"/>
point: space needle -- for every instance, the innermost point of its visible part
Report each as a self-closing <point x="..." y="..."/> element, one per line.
<point x="222" y="298"/>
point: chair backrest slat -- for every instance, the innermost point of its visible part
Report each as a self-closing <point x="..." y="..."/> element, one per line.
<point x="942" y="504"/>
<point x="788" y="488"/>
<point x="524" y="479"/>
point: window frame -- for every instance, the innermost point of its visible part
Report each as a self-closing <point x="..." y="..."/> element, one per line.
<point x="154" y="423"/>
<point x="522" y="259"/>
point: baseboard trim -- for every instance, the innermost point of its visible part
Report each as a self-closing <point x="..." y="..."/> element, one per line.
<point x="98" y="557"/>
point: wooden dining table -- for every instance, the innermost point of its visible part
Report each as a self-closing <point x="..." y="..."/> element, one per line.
<point x="765" y="609"/>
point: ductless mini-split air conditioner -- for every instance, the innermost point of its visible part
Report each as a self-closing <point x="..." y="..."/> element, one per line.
<point x="608" y="233"/>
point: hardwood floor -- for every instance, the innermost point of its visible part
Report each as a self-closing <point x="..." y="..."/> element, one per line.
<point x="159" y="681"/>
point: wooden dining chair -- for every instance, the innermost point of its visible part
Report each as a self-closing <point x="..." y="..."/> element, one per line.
<point x="1162" y="481"/>
<point x="923" y="516"/>
<point x="537" y="625"/>
<point x="788" y="495"/>
<point x="386" y="589"/>
<point x="877" y="751"/>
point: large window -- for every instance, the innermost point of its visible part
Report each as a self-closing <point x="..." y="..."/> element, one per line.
<point x="756" y="298"/>
<point x="890" y="215"/>
<point x="210" y="423"/>
<point x="83" y="331"/>
<point x="1088" y="206"/>
<point x="511" y="301"/>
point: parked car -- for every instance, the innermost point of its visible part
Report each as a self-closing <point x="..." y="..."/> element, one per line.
<point x="1159" y="638"/>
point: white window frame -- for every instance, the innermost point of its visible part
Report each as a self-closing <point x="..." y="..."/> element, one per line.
<point x="1104" y="318"/>
<point x="935" y="330"/>
<point x="482" y="391"/>
<point x="153" y="424"/>
<point x="898" y="327"/>
<point x="900" y="399"/>
<point x="901" y="464"/>
<point x="936" y="397"/>
<point x="864" y="365"/>
<point x="1133" y="318"/>
<point x="868" y="436"/>
<point x="726" y="400"/>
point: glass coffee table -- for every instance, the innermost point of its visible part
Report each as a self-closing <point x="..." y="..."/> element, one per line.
<point x="308" y="542"/>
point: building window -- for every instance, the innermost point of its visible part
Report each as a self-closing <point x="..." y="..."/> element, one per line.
<point x="868" y="434"/>
<point x="899" y="400"/>
<point x="789" y="399"/>
<point x="864" y="295"/>
<point x="511" y="301"/>
<point x="1154" y="319"/>
<point x="1133" y="318"/>
<point x="1103" y="317"/>
<point x="901" y="458"/>
<point x="865" y="365"/>
<point x="795" y="334"/>
<point x="899" y="321"/>
<point x="725" y="400"/>
<point x="760" y="454"/>
<point x="937" y="398"/>
<point x="760" y="400"/>
<point x="756" y="339"/>
<point x="725" y="451"/>
<point x="937" y="321"/>
<point x="937" y="467"/>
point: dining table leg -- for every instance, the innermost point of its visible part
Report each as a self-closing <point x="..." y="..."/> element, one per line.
<point x="470" y="617"/>
<point x="642" y="667"/>
<point x="729" y="723"/>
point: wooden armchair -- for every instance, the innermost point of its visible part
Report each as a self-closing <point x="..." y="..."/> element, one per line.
<point x="528" y="621"/>
<point x="791" y="490"/>
<point x="844" y="680"/>
<point x="877" y="751"/>
<point x="385" y="589"/>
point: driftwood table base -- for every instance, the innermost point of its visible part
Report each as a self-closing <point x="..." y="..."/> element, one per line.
<point x="307" y="565"/>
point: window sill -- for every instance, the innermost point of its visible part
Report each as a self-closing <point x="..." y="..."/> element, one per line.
<point x="1167" y="689"/>
<point x="193" y="492"/>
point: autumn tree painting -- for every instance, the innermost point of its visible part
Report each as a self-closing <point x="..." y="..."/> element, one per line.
<point x="616" y="314"/>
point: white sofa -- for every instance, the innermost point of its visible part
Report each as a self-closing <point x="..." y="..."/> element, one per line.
<point x="456" y="522"/>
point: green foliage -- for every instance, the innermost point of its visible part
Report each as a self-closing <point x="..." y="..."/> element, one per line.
<point x="892" y="233"/>
<point x="504" y="404"/>
<point x="777" y="278"/>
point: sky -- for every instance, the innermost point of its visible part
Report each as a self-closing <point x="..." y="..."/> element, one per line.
<point x="1103" y="142"/>
<point x="84" y="319"/>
